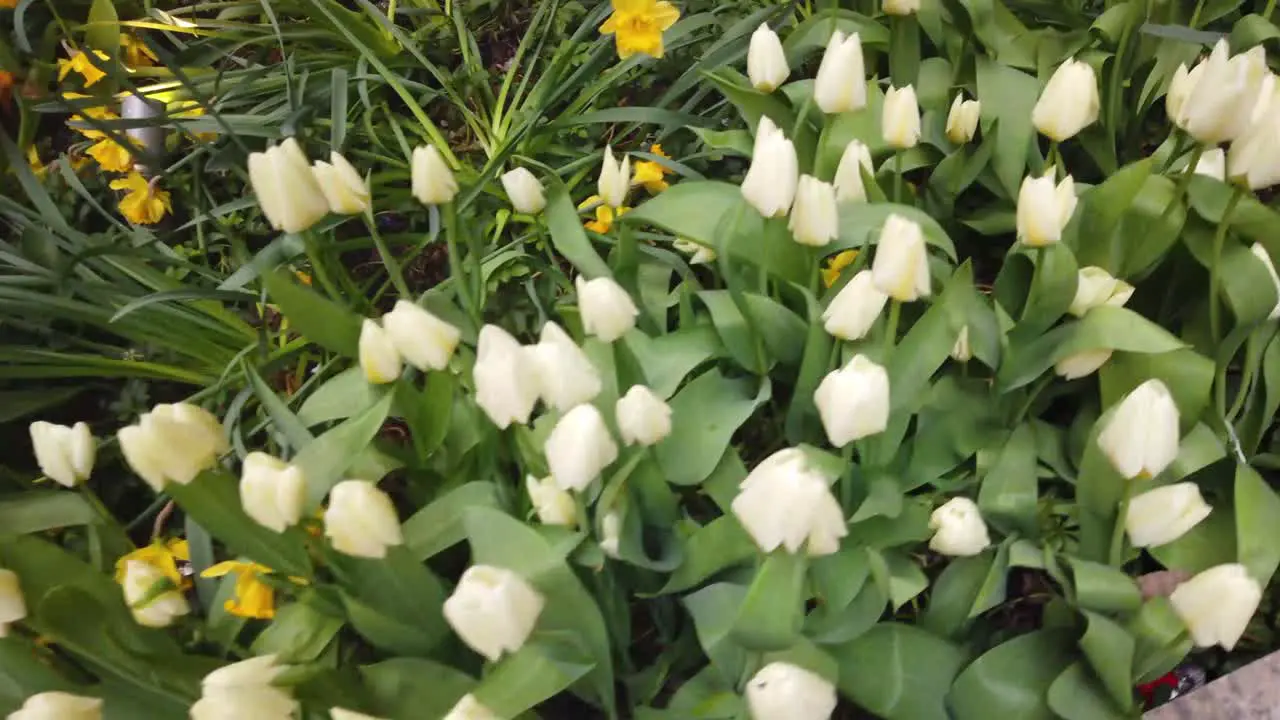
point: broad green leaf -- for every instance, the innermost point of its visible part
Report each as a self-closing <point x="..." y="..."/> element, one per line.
<point x="664" y="361"/>
<point x="811" y="35"/>
<point x="1009" y="96"/>
<point x="16" y="404"/>
<point x="1103" y="588"/>
<point x="731" y="142"/>
<point x="283" y="421"/>
<point x="781" y="330"/>
<point x="439" y="525"/>
<point x="568" y="236"/>
<point x="400" y="694"/>
<point x="394" y="602"/>
<point x="320" y="320"/>
<point x="751" y="103"/>
<point x="860" y="225"/>
<point x="1187" y="374"/>
<point x="1109" y="649"/>
<point x="325" y="460"/>
<point x="1257" y="517"/>
<point x="905" y="578"/>
<point x="1093" y="236"/>
<point x="102" y="31"/>
<point x="714" y="610"/>
<point x="720" y="544"/>
<point x="1012" y="679"/>
<point x="831" y="625"/>
<point x="1009" y="494"/>
<point x="954" y="592"/>
<point x="1161" y="639"/>
<point x="705" y="414"/>
<point x="534" y="673"/>
<point x="35" y="511"/>
<point x="298" y="633"/>
<point x="773" y="610"/>
<point x="899" y="671"/>
<point x="340" y="397"/>
<point x="1077" y="694"/>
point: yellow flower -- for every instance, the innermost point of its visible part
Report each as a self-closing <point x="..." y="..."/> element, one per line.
<point x="649" y="173"/>
<point x="111" y="155"/>
<point x="136" y="52"/>
<point x="83" y="64"/>
<point x="100" y="112"/>
<point x="832" y="272"/>
<point x="253" y="598"/>
<point x="33" y="159"/>
<point x="144" y="205"/>
<point x="163" y="556"/>
<point x="10" y="4"/>
<point x="189" y="110"/>
<point x="605" y="215"/>
<point x="637" y="26"/>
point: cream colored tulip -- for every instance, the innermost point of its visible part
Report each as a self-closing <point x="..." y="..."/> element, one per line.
<point x="1223" y="92"/>
<point x="344" y="189"/>
<point x="901" y="7"/>
<point x="1069" y="102"/>
<point x="272" y="491"/>
<point x="421" y="339"/>
<point x="565" y="374"/>
<point x="468" y="708"/>
<point x="610" y="533"/>
<point x="855" y="309"/>
<point x="287" y="191"/>
<point x="1213" y="163"/>
<point x="962" y="120"/>
<point x="432" y="180"/>
<point x="848" y="180"/>
<point x="853" y="401"/>
<point x="782" y="691"/>
<point x="901" y="265"/>
<point x="900" y="118"/>
<point x="1096" y="287"/>
<point x="1216" y="605"/>
<point x="149" y="609"/>
<point x="958" y="529"/>
<point x="342" y="714"/>
<point x="361" y="520"/>
<point x="552" y="504"/>
<point x="961" y="350"/>
<point x="767" y="66"/>
<point x="1254" y="158"/>
<point x="814" y="221"/>
<point x="642" y="417"/>
<point x="615" y="179"/>
<point x="1181" y="86"/>
<point x="13" y="607"/>
<point x="579" y="447"/>
<point x="524" y="190"/>
<point x="771" y="180"/>
<point x="1044" y="209"/>
<point x="1141" y="438"/>
<point x="702" y="255"/>
<point x="784" y="502"/>
<point x="493" y="610"/>
<point x="1260" y="251"/>
<point x="173" y="443"/>
<point x="841" y="82"/>
<point x="379" y="359"/>
<point x="1158" y="517"/>
<point x="245" y="690"/>
<point x="65" y="454"/>
<point x="58" y="706"/>
<point x="506" y="377"/>
<point x="1078" y="365"/>
<point x="607" y="310"/>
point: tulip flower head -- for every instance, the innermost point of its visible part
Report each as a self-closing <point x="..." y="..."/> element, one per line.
<point x="610" y="533"/>
<point x="1213" y="163"/>
<point x="841" y="83"/>
<point x="245" y="690"/>
<point x="1216" y="605"/>
<point x="900" y="118"/>
<point x="1044" y="209"/>
<point x="814" y="221"/>
<point x="552" y="504"/>
<point x="770" y="182"/>
<point x="1158" y="517"/>
<point x="173" y="443"/>
<point x="962" y="120"/>
<point x="1069" y="102"/>
<point x="493" y="610"/>
<point x="379" y="359"/>
<point x="432" y="180"/>
<point x="853" y="401"/>
<point x="901" y="265"/>
<point x="65" y="454"/>
<point x="854" y="311"/>
<point x="579" y="447"/>
<point x="524" y="190"/>
<point x="767" y="65"/>
<point x="1141" y="438"/>
<point x="1096" y="287"/>
<point x="642" y="417"/>
<point x="615" y="178"/>
<point x="962" y="351"/>
<point x="361" y="520"/>
<point x="784" y="502"/>
<point x="58" y="706"/>
<point x="782" y="691"/>
<point x="565" y="374"/>
<point x="958" y="529"/>
<point x="1254" y="158"/>
<point x="419" y="337"/>
<point x="291" y="198"/>
<point x="901" y="7"/>
<point x="468" y="708"/>
<point x="345" y="190"/>
<point x="272" y="491"/>
<point x="848" y="180"/>
<point x="607" y="310"/>
<point x="1215" y="101"/>
<point x="148" y="608"/>
<point x="506" y="377"/>
<point x="12" y="605"/>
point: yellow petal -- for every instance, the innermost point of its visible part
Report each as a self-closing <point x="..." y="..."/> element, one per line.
<point x="665" y="15"/>
<point x="610" y="25"/>
<point x="222" y="568"/>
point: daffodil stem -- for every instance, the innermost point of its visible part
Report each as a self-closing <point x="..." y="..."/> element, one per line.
<point x="1116" y="556"/>
<point x="388" y="259"/>
<point x="891" y="330"/>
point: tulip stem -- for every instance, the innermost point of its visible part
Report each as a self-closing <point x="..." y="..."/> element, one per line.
<point x="456" y="270"/>
<point x="318" y="265"/>
<point x="897" y="176"/>
<point x="388" y="259"/>
<point x="1195" y="15"/>
<point x="1190" y="170"/>
<point x="891" y="330"/>
<point x="1270" y="8"/>
<point x="1116" y="556"/>
<point x="1215" y="309"/>
<point x="1051" y="162"/>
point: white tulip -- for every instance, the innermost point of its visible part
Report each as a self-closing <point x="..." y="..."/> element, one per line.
<point x="901" y="7"/>
<point x="615" y="178"/>
<point x="1158" y="517"/>
<point x="344" y="189"/>
<point x="1213" y="163"/>
<point x="900" y="118"/>
<point x="702" y="255"/>
<point x="1254" y="159"/>
<point x="1096" y="287"/>
<point x="379" y="359"/>
<point x="342" y="714"/>
<point x="506" y="377"/>
<point x="58" y="706"/>
<point x="524" y="190"/>
<point x="642" y="417"/>
<point x="848" y="181"/>
<point x="962" y="120"/>
<point x="65" y="454"/>
<point x="361" y="520"/>
<point x="1141" y="439"/>
<point x="770" y="182"/>
<point x="786" y="503"/>
<point x="962" y="351"/>
<point x="814" y="221"/>
<point x="553" y="505"/>
<point x="1082" y="363"/>
<point x="782" y="691"/>
<point x="287" y="191"/>
<point x="1069" y="102"/>
<point x="173" y="443"/>
<point x="766" y="62"/>
<point x="1260" y="252"/>
<point x="579" y="447"/>
<point x="853" y="401"/>
<point x="607" y="310"/>
<point x="432" y="180"/>
<point x="272" y="491"/>
<point x="159" y="610"/>
<point x="958" y="529"/>
<point x="901" y="265"/>
<point x="421" y="339"/>
<point x="841" y="83"/>
<point x="1180" y="88"/>
<point x="12" y="605"/>
<point x="1044" y="209"/>
<point x="493" y="610"/>
<point x="566" y="376"/>
<point x="855" y="308"/>
<point x="468" y="708"/>
<point x="1223" y="91"/>
<point x="610" y="533"/>
<point x="245" y="690"/>
<point x="1216" y="605"/>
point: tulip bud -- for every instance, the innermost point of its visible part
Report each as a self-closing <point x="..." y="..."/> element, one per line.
<point x="1254" y="160"/>
<point x="1082" y="363"/>
<point x="379" y="358"/>
<point x="1219" y="95"/>
<point x="841" y="83"/>
<point x="962" y="121"/>
<point x="615" y="179"/>
<point x="1044" y="210"/>
<point x="1069" y="102"/>
<point x="1096" y="287"/>
<point x="341" y="714"/>
<point x="784" y="502"/>
<point x="433" y="181"/>
<point x="1216" y="605"/>
<point x="173" y="443"/>
<point x="901" y="265"/>
<point x="422" y="339"/>
<point x="1213" y="163"/>
<point x="1141" y="439"/>
<point x="770" y="182"/>
<point x="579" y="447"/>
<point x="610" y="533"/>
<point x="272" y="491"/>
<point x="148" y="609"/>
<point x="961" y="351"/>
<point x="65" y="454"/>
<point x="782" y="691"/>
<point x="524" y="190"/>
<point x="766" y="62"/>
<point x="287" y="191"/>
<point x="958" y="529"/>
<point x="553" y="505"/>
<point x="814" y="221"/>
<point x="900" y="118"/>
<point x="12" y="605"/>
<point x="848" y="181"/>
<point x="361" y="520"/>
<point x="345" y="190"/>
<point x="493" y="610"/>
<point x="506" y="377"/>
<point x="245" y="690"/>
<point x="853" y="401"/>
<point x="607" y="310"/>
<point x="702" y="254"/>
<point x="1158" y="517"/>
<point x="1180" y="88"/>
<point x="468" y="708"/>
<point x="855" y="308"/>
<point x="642" y="417"/>
<point x="566" y="376"/>
<point x="1261" y="253"/>
<point x="58" y="706"/>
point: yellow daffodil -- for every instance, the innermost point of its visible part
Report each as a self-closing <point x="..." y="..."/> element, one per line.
<point x="111" y="155"/>
<point x="605" y="215"/>
<point x="83" y="64"/>
<point x="649" y="173"/>
<point x="79" y="120"/>
<point x="136" y="52"/>
<point x="163" y="556"/>
<point x="836" y="264"/>
<point x="144" y="204"/>
<point x="253" y="598"/>
<point x="37" y="167"/>
<point x="637" y="26"/>
<point x="190" y="110"/>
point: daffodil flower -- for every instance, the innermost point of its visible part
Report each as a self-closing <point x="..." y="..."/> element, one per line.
<point x="33" y="159"/>
<point x="136" y="52"/>
<point x="163" y="556"/>
<point x="84" y="65"/>
<point x="111" y="155"/>
<point x="605" y="215"/>
<point x="144" y="204"/>
<point x="253" y="598"/>
<point x="637" y="26"/>
<point x="836" y="265"/>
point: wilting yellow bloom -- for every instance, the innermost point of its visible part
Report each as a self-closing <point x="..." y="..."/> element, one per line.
<point x="37" y="167"/>
<point x="111" y="155"/>
<point x="83" y="64"/>
<point x="649" y="173"/>
<point x="253" y="598"/>
<point x="837" y="264"/>
<point x="637" y="26"/>
<point x="605" y="215"/>
<point x="136" y="52"/>
<point x="163" y="556"/>
<point x="144" y="204"/>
